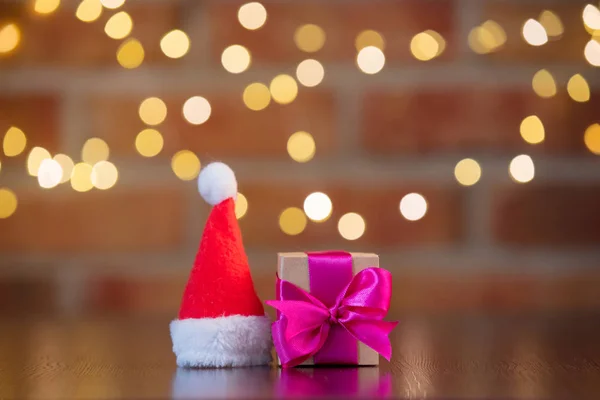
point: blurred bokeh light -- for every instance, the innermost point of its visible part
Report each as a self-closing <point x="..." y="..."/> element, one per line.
<point x="578" y="88"/>
<point x="241" y="205"/>
<point x="8" y="203"/>
<point x="10" y="37"/>
<point x="370" y="60"/>
<point x="185" y="165"/>
<point x="413" y="206"/>
<point x="284" y="89"/>
<point x="119" y="25"/>
<point x="591" y="16"/>
<point x="196" y="110"/>
<point x="112" y="4"/>
<point x="310" y="73"/>
<point x="534" y="33"/>
<point x="351" y="226"/>
<point x="45" y="6"/>
<point x="309" y="38"/>
<point x="153" y="111"/>
<point x="175" y="44"/>
<point x="89" y="10"/>
<point x="256" y="96"/>
<point x="522" y="169"/>
<point x="487" y="38"/>
<point x="104" y="175"/>
<point x="318" y="206"/>
<point x="551" y="23"/>
<point x="369" y="37"/>
<point x="14" y="142"/>
<point x="467" y="172"/>
<point x="427" y="45"/>
<point x="235" y="59"/>
<point x="252" y="16"/>
<point x="592" y="52"/>
<point x="66" y="165"/>
<point x="130" y="54"/>
<point x="592" y="138"/>
<point x="81" y="177"/>
<point x="35" y="158"/>
<point x="49" y="174"/>
<point x="543" y="84"/>
<point x="94" y="150"/>
<point x="532" y="129"/>
<point x="292" y="221"/>
<point x="149" y="142"/>
<point x="301" y="147"/>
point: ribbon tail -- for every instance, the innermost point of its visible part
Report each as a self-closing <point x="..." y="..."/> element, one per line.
<point x="374" y="334"/>
<point x="294" y="340"/>
<point x="288" y="355"/>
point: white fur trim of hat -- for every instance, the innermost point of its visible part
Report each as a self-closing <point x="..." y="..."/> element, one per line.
<point x="232" y="341"/>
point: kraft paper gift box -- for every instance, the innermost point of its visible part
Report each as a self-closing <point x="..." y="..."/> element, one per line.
<point x="294" y="268"/>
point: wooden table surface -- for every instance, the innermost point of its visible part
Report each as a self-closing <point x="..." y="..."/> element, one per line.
<point x="440" y="357"/>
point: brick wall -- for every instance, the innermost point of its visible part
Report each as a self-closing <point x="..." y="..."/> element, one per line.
<point x="497" y="244"/>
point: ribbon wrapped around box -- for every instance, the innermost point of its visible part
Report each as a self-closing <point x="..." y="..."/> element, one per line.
<point x="330" y="309"/>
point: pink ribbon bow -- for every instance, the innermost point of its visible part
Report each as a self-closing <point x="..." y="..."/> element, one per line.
<point x="360" y="308"/>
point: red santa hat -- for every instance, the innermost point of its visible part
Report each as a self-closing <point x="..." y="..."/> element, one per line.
<point x="221" y="322"/>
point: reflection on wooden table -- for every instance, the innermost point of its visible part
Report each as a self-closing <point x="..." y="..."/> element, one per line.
<point x="457" y="357"/>
<point x="293" y="382"/>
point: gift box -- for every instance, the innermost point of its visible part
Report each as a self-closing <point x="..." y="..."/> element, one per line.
<point x="330" y="309"/>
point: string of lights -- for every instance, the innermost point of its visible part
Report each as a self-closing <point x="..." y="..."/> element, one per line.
<point x="96" y="171"/>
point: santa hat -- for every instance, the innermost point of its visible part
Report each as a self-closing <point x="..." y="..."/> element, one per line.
<point x="221" y="322"/>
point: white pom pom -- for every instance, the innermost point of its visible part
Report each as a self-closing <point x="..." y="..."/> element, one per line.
<point x="217" y="183"/>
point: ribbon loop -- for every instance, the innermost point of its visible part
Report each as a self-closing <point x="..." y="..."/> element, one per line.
<point x="305" y="321"/>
